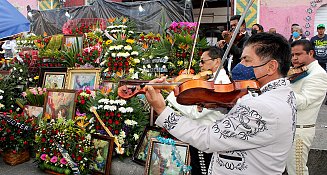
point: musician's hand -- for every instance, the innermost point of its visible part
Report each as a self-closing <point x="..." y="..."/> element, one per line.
<point x="227" y="36"/>
<point x="221" y="43"/>
<point x="154" y="96"/>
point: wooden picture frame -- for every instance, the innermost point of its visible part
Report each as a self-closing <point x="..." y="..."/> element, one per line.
<point x="4" y="73"/>
<point x="103" y="149"/>
<point x="59" y="103"/>
<point x="81" y="78"/>
<point x="69" y="41"/>
<point x="141" y="151"/>
<point x="160" y="153"/>
<point x="52" y="77"/>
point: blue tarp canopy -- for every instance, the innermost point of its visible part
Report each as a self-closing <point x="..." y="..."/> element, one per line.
<point x="12" y="21"/>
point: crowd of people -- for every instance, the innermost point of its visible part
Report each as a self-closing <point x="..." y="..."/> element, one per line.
<point x="268" y="132"/>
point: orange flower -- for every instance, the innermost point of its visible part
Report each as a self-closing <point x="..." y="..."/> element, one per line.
<point x="111" y="20"/>
<point x="145" y="46"/>
<point x="125" y="20"/>
<point x="45" y="34"/>
<point x="69" y="45"/>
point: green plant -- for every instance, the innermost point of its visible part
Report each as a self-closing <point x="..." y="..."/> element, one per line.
<point x="35" y="96"/>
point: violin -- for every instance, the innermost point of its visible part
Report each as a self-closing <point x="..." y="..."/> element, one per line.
<point x="206" y="93"/>
<point x="297" y="73"/>
<point x="133" y="89"/>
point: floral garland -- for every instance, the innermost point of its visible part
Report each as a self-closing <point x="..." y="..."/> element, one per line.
<point x="175" y="155"/>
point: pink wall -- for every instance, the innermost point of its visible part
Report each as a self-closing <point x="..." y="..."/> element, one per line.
<point x="281" y="14"/>
<point x="22" y="4"/>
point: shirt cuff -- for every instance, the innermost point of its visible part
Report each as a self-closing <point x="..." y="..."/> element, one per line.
<point x="162" y="117"/>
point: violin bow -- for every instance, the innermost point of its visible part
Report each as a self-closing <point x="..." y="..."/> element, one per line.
<point x="230" y="44"/>
<point x="195" y="37"/>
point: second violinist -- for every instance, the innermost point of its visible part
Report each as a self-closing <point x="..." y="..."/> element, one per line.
<point x="237" y="48"/>
<point x="210" y="60"/>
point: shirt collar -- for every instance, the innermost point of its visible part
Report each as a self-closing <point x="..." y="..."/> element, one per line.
<point x="281" y="82"/>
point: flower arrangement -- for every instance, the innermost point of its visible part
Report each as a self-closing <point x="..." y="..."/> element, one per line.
<point x="16" y="132"/>
<point x="35" y="96"/>
<point x="76" y="141"/>
<point x="177" y="45"/>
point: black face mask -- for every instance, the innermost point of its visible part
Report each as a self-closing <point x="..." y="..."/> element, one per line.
<point x="253" y="31"/>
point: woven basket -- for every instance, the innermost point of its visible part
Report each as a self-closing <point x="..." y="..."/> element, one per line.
<point x="15" y="159"/>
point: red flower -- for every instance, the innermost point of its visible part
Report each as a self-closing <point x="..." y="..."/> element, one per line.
<point x="25" y="142"/>
<point x="44" y="131"/>
<point x="79" y="158"/>
<point x="112" y="114"/>
<point x="107" y="114"/>
<point x="110" y="121"/>
<point x="116" y="132"/>
<point x="12" y="137"/>
<point x="51" y="141"/>
<point x="14" y="151"/>
<point x="117" y="122"/>
<point x="43" y="139"/>
<point x="118" y="115"/>
<point x="82" y="102"/>
<point x="8" y="130"/>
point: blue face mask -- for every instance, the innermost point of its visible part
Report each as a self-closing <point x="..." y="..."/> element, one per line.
<point x="295" y="34"/>
<point x="241" y="72"/>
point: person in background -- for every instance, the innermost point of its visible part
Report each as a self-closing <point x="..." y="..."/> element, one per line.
<point x="309" y="92"/>
<point x="319" y="43"/>
<point x="237" y="48"/>
<point x="256" y="135"/>
<point x="297" y="34"/>
<point x="292" y="30"/>
<point x="272" y="30"/>
<point x="256" y="28"/>
<point x="210" y="60"/>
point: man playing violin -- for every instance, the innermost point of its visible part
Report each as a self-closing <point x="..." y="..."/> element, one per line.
<point x="237" y="48"/>
<point x="210" y="60"/>
<point x="310" y="93"/>
<point x="256" y="135"/>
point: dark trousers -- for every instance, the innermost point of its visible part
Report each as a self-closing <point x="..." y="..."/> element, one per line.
<point x="200" y="161"/>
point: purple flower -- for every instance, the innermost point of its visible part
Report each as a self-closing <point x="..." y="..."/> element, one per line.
<point x="63" y="161"/>
<point x="54" y="159"/>
<point x="43" y="156"/>
<point x="173" y="25"/>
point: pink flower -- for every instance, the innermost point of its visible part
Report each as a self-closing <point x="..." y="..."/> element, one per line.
<point x="24" y="94"/>
<point x="173" y="25"/>
<point x="33" y="91"/>
<point x="39" y="89"/>
<point x="63" y="161"/>
<point x="44" y="89"/>
<point x="43" y="156"/>
<point x="54" y="159"/>
<point x="41" y="92"/>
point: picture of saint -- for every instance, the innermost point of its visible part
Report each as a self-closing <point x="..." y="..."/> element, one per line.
<point x="60" y="105"/>
<point x="83" y="81"/>
<point x="54" y="81"/>
<point x="101" y="151"/>
<point x="143" y="151"/>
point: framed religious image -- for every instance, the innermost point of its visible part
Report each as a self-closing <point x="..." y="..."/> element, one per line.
<point x="59" y="103"/>
<point x="103" y="149"/>
<point x="80" y="78"/>
<point x="52" y="78"/>
<point x="160" y="158"/>
<point x="72" y="42"/>
<point x="142" y="148"/>
<point x="34" y="111"/>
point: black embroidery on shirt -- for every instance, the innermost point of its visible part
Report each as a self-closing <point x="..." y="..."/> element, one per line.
<point x="242" y="123"/>
<point x="228" y="160"/>
<point x="291" y="102"/>
<point x="274" y="85"/>
<point x="171" y="121"/>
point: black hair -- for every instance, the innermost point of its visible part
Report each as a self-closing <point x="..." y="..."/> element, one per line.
<point x="237" y="17"/>
<point x="307" y="46"/>
<point x="215" y="52"/>
<point x="259" y="26"/>
<point x="272" y="46"/>
<point x="295" y="25"/>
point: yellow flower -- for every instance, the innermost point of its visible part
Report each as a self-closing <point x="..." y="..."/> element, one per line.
<point x="130" y="41"/>
<point x="108" y="42"/>
<point x="36" y="77"/>
<point x="179" y="63"/>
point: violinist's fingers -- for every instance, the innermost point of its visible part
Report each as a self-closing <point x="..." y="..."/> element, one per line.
<point x="155" y="98"/>
<point x="221" y="43"/>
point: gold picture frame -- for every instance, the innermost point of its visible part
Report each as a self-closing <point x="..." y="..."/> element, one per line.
<point x="82" y="78"/>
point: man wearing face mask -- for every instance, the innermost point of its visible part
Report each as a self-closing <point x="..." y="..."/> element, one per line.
<point x="257" y="133"/>
<point x="310" y="93"/>
<point x="297" y="34"/>
<point x="210" y="60"/>
<point x="256" y="28"/>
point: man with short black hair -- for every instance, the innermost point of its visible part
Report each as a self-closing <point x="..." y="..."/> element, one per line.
<point x="319" y="43"/>
<point x="310" y="92"/>
<point x="257" y="133"/>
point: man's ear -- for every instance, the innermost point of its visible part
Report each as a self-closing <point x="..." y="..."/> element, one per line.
<point x="311" y="53"/>
<point x="272" y="67"/>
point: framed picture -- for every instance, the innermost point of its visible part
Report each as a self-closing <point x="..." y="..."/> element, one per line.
<point x="3" y="73"/>
<point x="103" y="149"/>
<point x="80" y="79"/>
<point x="52" y="78"/>
<point x="72" y="41"/>
<point x="34" y="111"/>
<point x="59" y="103"/>
<point x="142" y="148"/>
<point x="160" y="160"/>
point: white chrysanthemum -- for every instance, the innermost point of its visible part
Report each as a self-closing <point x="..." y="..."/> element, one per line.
<point x="20" y="70"/>
<point x="129" y="109"/>
<point x="166" y="58"/>
<point x="100" y="107"/>
<point x="128" y="47"/>
<point x="131" y="32"/>
<point x="148" y="66"/>
<point x="136" y="136"/>
<point x="136" y="61"/>
<point x="122" y="110"/>
<point x="114" y="55"/>
<point x="121" y="150"/>
<point x="20" y="78"/>
<point x="112" y="48"/>
<point x="111" y="27"/>
<point x="1" y="105"/>
<point x="119" y="47"/>
<point x="122" y="134"/>
<point x="122" y="102"/>
<point x="135" y="53"/>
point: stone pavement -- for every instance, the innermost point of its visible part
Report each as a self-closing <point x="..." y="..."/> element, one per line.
<point x="317" y="157"/>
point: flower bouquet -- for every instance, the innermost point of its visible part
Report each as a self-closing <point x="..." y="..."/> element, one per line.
<point x="16" y="137"/>
<point x="35" y="96"/>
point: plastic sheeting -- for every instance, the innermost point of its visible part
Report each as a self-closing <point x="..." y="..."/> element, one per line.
<point x="147" y="15"/>
<point x="12" y="21"/>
